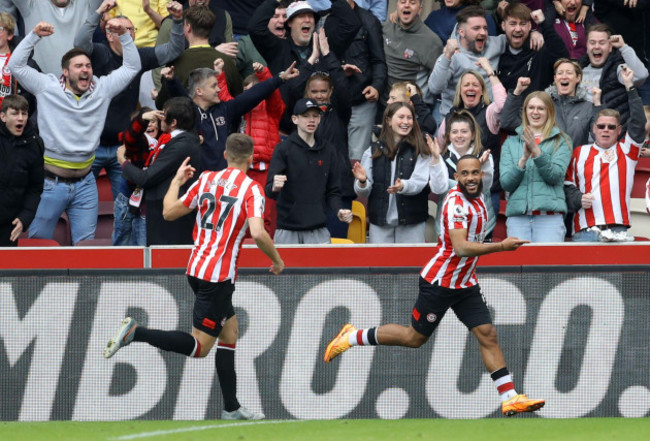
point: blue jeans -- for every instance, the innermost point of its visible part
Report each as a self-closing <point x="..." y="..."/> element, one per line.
<point x="105" y="159"/>
<point x="593" y="236"/>
<point x="128" y="228"/>
<point x="79" y="200"/>
<point x="538" y="228"/>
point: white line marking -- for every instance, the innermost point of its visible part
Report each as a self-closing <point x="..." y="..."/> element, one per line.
<point x="198" y="428"/>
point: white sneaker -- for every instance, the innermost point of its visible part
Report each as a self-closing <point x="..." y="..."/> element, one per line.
<point x="242" y="414"/>
<point x="123" y="337"/>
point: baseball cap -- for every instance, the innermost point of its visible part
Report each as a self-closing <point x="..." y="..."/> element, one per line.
<point x="304" y="104"/>
<point x="300" y="7"/>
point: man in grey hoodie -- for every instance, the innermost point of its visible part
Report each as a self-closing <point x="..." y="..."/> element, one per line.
<point x="72" y="111"/>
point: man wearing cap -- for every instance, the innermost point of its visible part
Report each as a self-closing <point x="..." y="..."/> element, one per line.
<point x="341" y="26"/>
<point x="302" y="178"/>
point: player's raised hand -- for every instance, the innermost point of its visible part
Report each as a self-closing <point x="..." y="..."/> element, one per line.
<point x="185" y="172"/>
<point x="512" y="243"/>
<point x="44" y="29"/>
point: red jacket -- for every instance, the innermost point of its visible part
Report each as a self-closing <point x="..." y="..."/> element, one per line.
<point x="261" y="123"/>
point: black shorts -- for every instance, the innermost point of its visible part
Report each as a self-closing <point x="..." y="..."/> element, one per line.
<point x="213" y="304"/>
<point x="468" y="304"/>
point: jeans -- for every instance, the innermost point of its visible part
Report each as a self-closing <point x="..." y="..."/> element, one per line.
<point x="538" y="228"/>
<point x="593" y="236"/>
<point x="128" y="228"/>
<point x="105" y="159"/>
<point x="79" y="200"/>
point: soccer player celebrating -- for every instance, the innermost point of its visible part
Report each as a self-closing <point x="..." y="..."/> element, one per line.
<point x="227" y="201"/>
<point x="449" y="281"/>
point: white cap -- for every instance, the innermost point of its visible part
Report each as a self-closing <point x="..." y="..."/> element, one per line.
<point x="299" y="7"/>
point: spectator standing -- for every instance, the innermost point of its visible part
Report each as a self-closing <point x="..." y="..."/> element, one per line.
<point x="303" y="178"/>
<point x="235" y="201"/>
<point x="154" y="180"/>
<point x="146" y="15"/>
<point x="532" y="170"/>
<point x="570" y="19"/>
<point x="410" y="47"/>
<point x="66" y="16"/>
<point x="367" y="53"/>
<point x="600" y="177"/>
<point x="442" y="21"/>
<point x="464" y="54"/>
<point x="405" y="92"/>
<point x="602" y="68"/>
<point x="21" y="169"/>
<point x="524" y="57"/>
<point x="261" y="124"/>
<point x="105" y="58"/>
<point x="377" y="7"/>
<point x="393" y="174"/>
<point x="72" y="112"/>
<point x="7" y="43"/>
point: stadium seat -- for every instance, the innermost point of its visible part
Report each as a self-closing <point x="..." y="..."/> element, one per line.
<point x="357" y="228"/>
<point x="339" y="240"/>
<point x="104" y="220"/>
<point x="27" y="242"/>
<point x="104" y="187"/>
<point x="639" y="218"/>
<point x="641" y="176"/>
<point x="103" y="242"/>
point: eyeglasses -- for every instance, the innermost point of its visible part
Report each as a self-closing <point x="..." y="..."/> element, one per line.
<point x="608" y="126"/>
<point x="320" y="73"/>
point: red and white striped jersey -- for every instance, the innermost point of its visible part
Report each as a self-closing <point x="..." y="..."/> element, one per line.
<point x="225" y="200"/>
<point x="447" y="268"/>
<point x="608" y="174"/>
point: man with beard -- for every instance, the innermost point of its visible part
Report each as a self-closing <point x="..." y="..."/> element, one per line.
<point x="463" y="54"/>
<point x="519" y="59"/>
<point x="449" y="281"/>
<point x="71" y="114"/>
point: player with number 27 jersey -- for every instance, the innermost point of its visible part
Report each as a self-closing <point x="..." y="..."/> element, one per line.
<point x="224" y="201"/>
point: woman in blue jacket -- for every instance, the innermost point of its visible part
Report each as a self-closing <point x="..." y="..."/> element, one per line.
<point x="532" y="170"/>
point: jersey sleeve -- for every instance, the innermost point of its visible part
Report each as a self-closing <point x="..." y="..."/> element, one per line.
<point x="190" y="198"/>
<point x="457" y="214"/>
<point x="255" y="201"/>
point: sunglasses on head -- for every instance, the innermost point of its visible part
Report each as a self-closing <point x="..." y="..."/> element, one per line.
<point x="609" y="126"/>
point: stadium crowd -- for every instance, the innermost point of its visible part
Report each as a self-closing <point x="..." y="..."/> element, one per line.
<point x="372" y="100"/>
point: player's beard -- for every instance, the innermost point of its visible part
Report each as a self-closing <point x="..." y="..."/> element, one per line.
<point x="469" y="195"/>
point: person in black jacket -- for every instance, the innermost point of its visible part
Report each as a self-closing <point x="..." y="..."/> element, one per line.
<point x="303" y="178"/>
<point x="519" y="60"/>
<point x="21" y="169"/>
<point x="329" y="89"/>
<point x="154" y="180"/>
<point x="366" y="52"/>
<point x="341" y="26"/>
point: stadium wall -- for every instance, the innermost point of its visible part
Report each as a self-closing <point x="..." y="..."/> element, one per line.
<point x="574" y="334"/>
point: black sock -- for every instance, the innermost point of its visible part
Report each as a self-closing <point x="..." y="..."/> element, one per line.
<point x="225" y="361"/>
<point x="173" y="341"/>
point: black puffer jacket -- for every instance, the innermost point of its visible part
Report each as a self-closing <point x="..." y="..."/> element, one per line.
<point x="21" y="174"/>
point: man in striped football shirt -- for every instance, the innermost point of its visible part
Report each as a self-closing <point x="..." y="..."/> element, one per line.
<point x="449" y="281"/>
<point x="227" y="202"/>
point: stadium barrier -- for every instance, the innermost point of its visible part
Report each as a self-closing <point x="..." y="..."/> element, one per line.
<point x="575" y="335"/>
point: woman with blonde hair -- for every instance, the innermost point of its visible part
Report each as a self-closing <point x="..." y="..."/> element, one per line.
<point x="532" y="170"/>
<point x="463" y="137"/>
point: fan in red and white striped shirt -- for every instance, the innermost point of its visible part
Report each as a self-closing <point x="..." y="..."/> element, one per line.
<point x="606" y="174"/>
<point x="224" y="201"/>
<point x="446" y="267"/>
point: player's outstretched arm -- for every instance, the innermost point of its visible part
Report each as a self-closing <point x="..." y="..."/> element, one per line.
<point x="265" y="243"/>
<point x="466" y="248"/>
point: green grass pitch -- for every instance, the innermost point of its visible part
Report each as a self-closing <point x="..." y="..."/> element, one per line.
<point x="497" y="429"/>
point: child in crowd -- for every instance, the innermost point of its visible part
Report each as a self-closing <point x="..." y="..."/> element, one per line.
<point x="261" y="124"/>
<point x="405" y="92"/>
